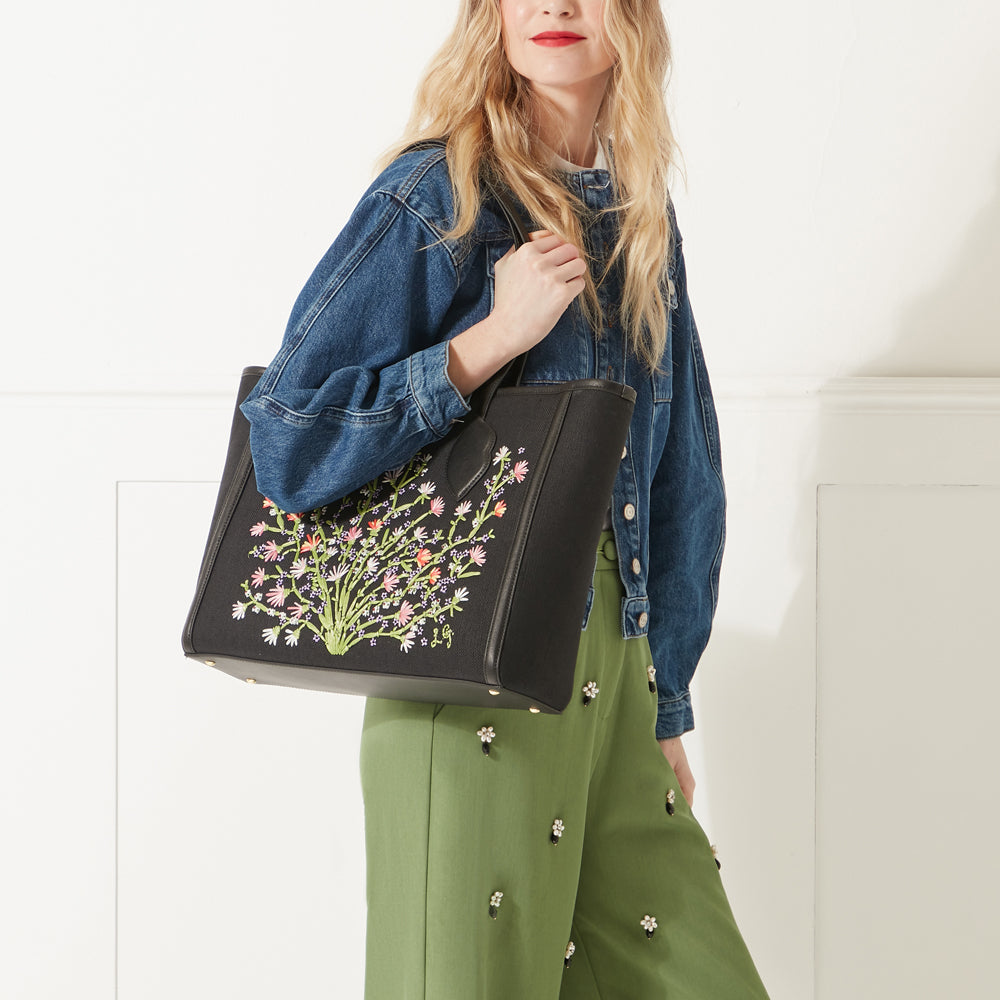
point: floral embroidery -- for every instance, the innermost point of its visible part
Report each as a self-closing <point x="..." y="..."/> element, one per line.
<point x="381" y="563"/>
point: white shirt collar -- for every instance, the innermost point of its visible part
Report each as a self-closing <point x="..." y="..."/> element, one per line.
<point x="600" y="161"/>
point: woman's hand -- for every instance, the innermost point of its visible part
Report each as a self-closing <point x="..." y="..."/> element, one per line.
<point x="673" y="750"/>
<point x="534" y="285"/>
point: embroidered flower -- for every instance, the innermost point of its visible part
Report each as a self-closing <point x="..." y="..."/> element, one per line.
<point x="271" y="553"/>
<point x="405" y="612"/>
<point x="423" y="557"/>
<point x="259" y="576"/>
<point x="426" y="489"/>
<point x="291" y="638"/>
<point x="477" y="554"/>
<point x="501" y="454"/>
<point x="311" y="543"/>
<point x="239" y="610"/>
<point x="434" y="575"/>
<point x="437" y="506"/>
<point x="375" y="525"/>
<point x="271" y="635"/>
<point x="276" y="597"/>
<point x="259" y="528"/>
<point x="500" y="509"/>
<point x="390" y="580"/>
<point x="353" y="533"/>
<point x="299" y="568"/>
<point x="520" y="470"/>
<point x="463" y="508"/>
<point x="297" y="610"/>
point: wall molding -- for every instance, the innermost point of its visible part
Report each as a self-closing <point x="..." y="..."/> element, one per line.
<point x="862" y="394"/>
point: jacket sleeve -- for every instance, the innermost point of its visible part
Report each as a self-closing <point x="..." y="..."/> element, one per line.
<point x="360" y="382"/>
<point x="687" y="523"/>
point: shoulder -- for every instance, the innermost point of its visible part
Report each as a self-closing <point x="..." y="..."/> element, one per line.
<point x="418" y="181"/>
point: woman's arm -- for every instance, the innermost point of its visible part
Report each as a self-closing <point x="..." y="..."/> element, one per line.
<point x="360" y="383"/>
<point x="687" y="524"/>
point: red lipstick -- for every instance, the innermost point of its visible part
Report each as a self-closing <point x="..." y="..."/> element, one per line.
<point x="557" y="38"/>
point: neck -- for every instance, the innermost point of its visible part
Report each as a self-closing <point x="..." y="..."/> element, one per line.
<point x="566" y="119"/>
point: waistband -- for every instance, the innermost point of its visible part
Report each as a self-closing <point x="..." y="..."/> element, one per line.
<point x="607" y="551"/>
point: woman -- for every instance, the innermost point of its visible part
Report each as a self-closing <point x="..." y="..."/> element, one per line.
<point x="566" y="862"/>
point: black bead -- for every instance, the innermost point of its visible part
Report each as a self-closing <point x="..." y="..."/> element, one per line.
<point x="493" y="911"/>
<point x="649" y="933"/>
<point x="566" y="962"/>
<point x="652" y="686"/>
<point x="670" y="808"/>
<point x="718" y="863"/>
<point x="486" y="749"/>
<point x="587" y="699"/>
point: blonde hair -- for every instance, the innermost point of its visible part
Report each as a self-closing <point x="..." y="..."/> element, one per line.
<point x="471" y="95"/>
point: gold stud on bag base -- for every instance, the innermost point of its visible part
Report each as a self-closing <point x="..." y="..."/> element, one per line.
<point x="446" y="565"/>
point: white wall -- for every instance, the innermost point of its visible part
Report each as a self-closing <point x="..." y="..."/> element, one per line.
<point x="171" y="176"/>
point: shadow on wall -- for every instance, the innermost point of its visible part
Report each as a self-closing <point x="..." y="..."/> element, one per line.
<point x="953" y="329"/>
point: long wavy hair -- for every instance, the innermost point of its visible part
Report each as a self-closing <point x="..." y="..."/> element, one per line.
<point x="471" y="95"/>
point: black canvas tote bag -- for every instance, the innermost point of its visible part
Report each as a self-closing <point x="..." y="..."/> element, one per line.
<point x="460" y="577"/>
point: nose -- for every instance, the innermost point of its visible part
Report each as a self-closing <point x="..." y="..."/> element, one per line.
<point x="558" y="9"/>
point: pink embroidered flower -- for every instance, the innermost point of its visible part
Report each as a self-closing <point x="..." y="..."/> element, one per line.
<point x="435" y="574"/>
<point x="376" y="524"/>
<point x="406" y="643"/>
<point x="276" y="597"/>
<point x="353" y="533"/>
<point x="477" y="554"/>
<point x="390" y="580"/>
<point x="259" y="576"/>
<point x="258" y="529"/>
<point x="405" y="612"/>
<point x="500" y="509"/>
<point x="426" y="489"/>
<point x="423" y="557"/>
<point x="271" y="553"/>
<point x="437" y="506"/>
<point x="520" y="471"/>
<point x="311" y="542"/>
<point x="297" y="610"/>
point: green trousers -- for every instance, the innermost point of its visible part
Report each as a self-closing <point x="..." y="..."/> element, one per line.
<point x="563" y="865"/>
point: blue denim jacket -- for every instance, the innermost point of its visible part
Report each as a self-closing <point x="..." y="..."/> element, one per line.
<point x="360" y="384"/>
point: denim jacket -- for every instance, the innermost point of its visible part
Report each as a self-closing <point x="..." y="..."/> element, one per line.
<point x="360" y="385"/>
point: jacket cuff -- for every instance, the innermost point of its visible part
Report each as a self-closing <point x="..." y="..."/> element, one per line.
<point x="439" y="401"/>
<point x="674" y="716"/>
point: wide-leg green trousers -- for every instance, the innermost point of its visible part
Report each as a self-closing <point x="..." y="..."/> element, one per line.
<point x="607" y="894"/>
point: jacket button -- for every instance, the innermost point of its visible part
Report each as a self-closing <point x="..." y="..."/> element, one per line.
<point x="629" y="511"/>
<point x="643" y="618"/>
<point x="636" y="566"/>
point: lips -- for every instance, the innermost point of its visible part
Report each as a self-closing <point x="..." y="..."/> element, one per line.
<point x="553" y="38"/>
